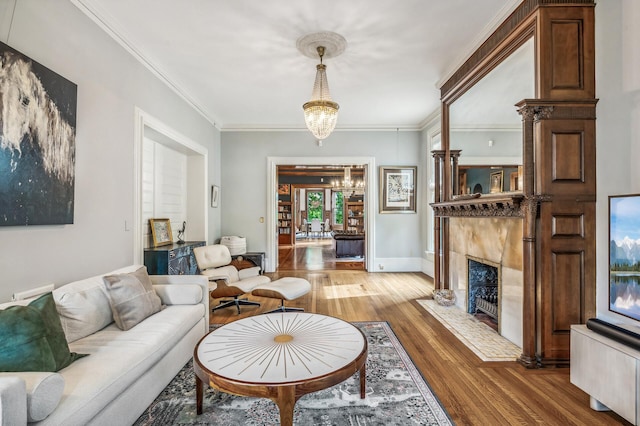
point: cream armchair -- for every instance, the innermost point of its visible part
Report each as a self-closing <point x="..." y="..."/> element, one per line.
<point x="224" y="279"/>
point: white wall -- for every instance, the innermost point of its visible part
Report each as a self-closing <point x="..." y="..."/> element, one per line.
<point x="111" y="83"/>
<point x="244" y="174"/>
<point x="618" y="126"/>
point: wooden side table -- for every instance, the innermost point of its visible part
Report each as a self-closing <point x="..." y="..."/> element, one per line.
<point x="281" y="356"/>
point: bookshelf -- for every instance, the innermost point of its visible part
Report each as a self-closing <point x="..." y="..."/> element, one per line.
<point x="285" y="223"/>
<point x="354" y="214"/>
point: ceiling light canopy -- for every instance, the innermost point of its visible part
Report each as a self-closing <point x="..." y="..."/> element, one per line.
<point x="321" y="113"/>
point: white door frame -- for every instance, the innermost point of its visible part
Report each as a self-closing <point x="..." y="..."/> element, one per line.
<point x="370" y="201"/>
<point x="198" y="160"/>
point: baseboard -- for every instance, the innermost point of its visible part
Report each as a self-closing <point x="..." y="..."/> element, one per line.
<point x="397" y="264"/>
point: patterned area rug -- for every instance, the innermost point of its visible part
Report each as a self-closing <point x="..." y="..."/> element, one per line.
<point x="397" y="394"/>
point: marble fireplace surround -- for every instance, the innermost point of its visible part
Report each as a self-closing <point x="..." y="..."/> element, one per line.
<point x="498" y="241"/>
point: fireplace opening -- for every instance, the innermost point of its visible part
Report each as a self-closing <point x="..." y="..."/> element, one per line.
<point x="483" y="296"/>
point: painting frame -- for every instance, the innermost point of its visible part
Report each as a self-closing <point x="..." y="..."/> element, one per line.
<point x="215" y="196"/>
<point x="284" y="189"/>
<point x="161" y="232"/>
<point x="496" y="180"/>
<point x="398" y="189"/>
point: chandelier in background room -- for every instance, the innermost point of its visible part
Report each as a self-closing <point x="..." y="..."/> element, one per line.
<point x="348" y="186"/>
<point x="321" y="112"/>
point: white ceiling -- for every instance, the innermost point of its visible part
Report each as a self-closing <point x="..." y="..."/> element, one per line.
<point x="237" y="62"/>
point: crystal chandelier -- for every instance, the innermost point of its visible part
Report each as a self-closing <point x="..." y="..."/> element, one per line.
<point x="348" y="186"/>
<point x="321" y="113"/>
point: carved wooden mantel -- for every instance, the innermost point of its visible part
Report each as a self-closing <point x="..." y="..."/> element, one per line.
<point x="557" y="202"/>
<point x="488" y="205"/>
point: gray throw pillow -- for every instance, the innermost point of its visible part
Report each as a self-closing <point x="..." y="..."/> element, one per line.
<point x="131" y="297"/>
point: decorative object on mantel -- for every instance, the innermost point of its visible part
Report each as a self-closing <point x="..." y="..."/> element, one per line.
<point x="161" y="232"/>
<point x="321" y="113"/>
<point x="181" y="233"/>
<point x="39" y="112"/>
<point x="398" y="189"/>
<point x="444" y="297"/>
<point x="467" y="196"/>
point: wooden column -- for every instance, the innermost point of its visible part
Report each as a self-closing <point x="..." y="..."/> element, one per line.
<point x="438" y="156"/>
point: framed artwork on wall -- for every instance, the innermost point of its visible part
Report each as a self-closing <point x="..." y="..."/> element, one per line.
<point x="161" y="232"/>
<point x="37" y="142"/>
<point x="398" y="189"/>
<point x="284" y="189"/>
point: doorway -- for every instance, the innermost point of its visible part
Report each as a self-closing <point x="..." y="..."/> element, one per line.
<point x="368" y="202"/>
<point x="195" y="155"/>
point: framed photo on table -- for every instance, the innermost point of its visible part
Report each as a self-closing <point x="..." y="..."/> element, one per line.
<point x="398" y="189"/>
<point x="161" y="232"/>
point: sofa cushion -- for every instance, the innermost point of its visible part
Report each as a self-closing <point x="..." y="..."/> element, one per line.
<point x="131" y="297"/>
<point x="118" y="359"/>
<point x="43" y="391"/>
<point x="33" y="338"/>
<point x="188" y="294"/>
<point x="83" y="307"/>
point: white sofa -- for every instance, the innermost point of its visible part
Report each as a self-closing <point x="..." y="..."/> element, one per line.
<point x="125" y="370"/>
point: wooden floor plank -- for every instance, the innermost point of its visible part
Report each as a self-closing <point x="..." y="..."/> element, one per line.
<point x="472" y="391"/>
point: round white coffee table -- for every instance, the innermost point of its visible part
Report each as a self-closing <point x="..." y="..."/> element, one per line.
<point x="281" y="356"/>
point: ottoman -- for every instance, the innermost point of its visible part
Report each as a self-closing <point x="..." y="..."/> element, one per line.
<point x="288" y="288"/>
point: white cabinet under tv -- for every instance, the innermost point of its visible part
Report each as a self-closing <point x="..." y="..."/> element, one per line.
<point x="607" y="370"/>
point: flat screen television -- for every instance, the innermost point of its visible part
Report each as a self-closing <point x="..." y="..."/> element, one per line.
<point x="624" y="255"/>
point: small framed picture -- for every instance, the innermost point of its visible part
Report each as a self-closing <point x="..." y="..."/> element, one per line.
<point x="496" y="181"/>
<point x="215" y="195"/>
<point x="161" y="232"/>
<point x="398" y="189"/>
<point x="284" y="188"/>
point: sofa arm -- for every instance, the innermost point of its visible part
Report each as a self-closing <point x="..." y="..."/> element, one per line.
<point x="182" y="280"/>
<point x="13" y="401"/>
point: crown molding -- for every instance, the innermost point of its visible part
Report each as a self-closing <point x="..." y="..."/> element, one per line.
<point x="101" y="18"/>
<point x="493" y="25"/>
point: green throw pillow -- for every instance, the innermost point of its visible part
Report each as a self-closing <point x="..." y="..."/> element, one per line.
<point x="33" y="339"/>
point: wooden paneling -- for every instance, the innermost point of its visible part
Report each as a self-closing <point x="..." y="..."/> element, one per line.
<point x="566" y="48"/>
<point x="566" y="279"/>
<point x="567" y="225"/>
<point x="567" y="157"/>
<point x="566" y="45"/>
<point x="565" y="150"/>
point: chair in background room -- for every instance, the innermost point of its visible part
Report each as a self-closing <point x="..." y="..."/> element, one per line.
<point x="225" y="280"/>
<point x="316" y="227"/>
<point x="327" y="228"/>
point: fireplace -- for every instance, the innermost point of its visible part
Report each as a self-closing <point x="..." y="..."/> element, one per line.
<point x="483" y="287"/>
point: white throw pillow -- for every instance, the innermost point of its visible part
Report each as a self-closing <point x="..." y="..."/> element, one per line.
<point x="83" y="308"/>
<point x="132" y="297"/>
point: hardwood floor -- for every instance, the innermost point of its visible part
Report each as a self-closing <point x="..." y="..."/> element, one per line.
<point x="473" y="392"/>
<point x="314" y="254"/>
